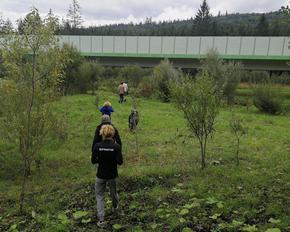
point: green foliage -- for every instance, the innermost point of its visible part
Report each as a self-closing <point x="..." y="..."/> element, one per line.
<point x="71" y="81"/>
<point x="202" y="19"/>
<point x="74" y="18"/>
<point x="238" y="129"/>
<point x="117" y="226"/>
<point x="226" y="75"/>
<point x="132" y="74"/>
<point x="163" y="74"/>
<point x="267" y="98"/>
<point x="165" y="174"/>
<point x="255" y="77"/>
<point x="258" y="77"/>
<point x="214" y="66"/>
<point x="273" y="230"/>
<point x="232" y="75"/>
<point x="79" y="214"/>
<point x="146" y="87"/>
<point x="199" y="101"/>
<point x="88" y="77"/>
<point x="34" y="65"/>
<point x="262" y="27"/>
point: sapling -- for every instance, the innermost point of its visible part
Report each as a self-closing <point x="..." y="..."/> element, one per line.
<point x="239" y="129"/>
<point x="30" y="87"/>
<point x="199" y="101"/>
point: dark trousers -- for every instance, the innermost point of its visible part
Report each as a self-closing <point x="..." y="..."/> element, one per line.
<point x="121" y="98"/>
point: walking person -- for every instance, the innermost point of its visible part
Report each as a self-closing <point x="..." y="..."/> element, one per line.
<point x="126" y="92"/>
<point x="107" y="108"/>
<point x="121" y="92"/>
<point x="105" y="120"/>
<point x="107" y="154"/>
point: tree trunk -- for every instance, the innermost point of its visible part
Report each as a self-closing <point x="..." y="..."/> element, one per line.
<point x="136" y="142"/>
<point x="204" y="151"/>
<point x="201" y="143"/>
<point x="238" y="150"/>
<point x="26" y="173"/>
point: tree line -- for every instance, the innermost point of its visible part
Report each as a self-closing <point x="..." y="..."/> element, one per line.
<point x="275" y="23"/>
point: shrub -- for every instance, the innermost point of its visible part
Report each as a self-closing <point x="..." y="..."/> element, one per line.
<point x="132" y="74"/>
<point x="163" y="74"/>
<point x="145" y="87"/>
<point x="267" y="99"/>
<point x="255" y="77"/>
<point x="199" y="102"/>
<point x="69" y="84"/>
<point x="88" y="77"/>
<point x="226" y="75"/>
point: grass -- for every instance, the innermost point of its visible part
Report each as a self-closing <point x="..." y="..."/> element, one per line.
<point x="162" y="187"/>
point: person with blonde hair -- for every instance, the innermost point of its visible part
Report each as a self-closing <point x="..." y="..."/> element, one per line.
<point x="105" y="119"/>
<point x="108" y="155"/>
<point x="107" y="108"/>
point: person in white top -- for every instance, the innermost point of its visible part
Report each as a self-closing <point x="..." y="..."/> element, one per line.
<point x="125" y="88"/>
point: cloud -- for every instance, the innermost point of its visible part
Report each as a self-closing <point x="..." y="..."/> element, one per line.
<point x="117" y="11"/>
<point x="170" y="13"/>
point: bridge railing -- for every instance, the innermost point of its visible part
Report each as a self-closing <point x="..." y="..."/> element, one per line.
<point x="181" y="47"/>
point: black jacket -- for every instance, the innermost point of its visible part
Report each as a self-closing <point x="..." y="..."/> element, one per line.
<point x="98" y="137"/>
<point x="108" y="155"/>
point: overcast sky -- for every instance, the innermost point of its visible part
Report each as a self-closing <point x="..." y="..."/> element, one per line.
<point x="99" y="12"/>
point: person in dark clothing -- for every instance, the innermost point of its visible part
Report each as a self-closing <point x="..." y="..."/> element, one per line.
<point x="133" y="120"/>
<point x="98" y="138"/>
<point x="107" y="108"/>
<point x="107" y="154"/>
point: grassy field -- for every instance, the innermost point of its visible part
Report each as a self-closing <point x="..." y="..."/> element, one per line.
<point x="161" y="185"/>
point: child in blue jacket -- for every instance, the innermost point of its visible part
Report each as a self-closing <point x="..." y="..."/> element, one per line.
<point x="107" y="108"/>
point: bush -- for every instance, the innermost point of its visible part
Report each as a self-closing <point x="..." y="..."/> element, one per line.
<point x="267" y="99"/>
<point x="226" y="75"/>
<point x="69" y="84"/>
<point x="132" y="74"/>
<point x="145" y="87"/>
<point x="255" y="77"/>
<point x="258" y="77"/>
<point x="200" y="102"/>
<point x="163" y="74"/>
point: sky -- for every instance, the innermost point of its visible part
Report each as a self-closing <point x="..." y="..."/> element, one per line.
<point x="101" y="12"/>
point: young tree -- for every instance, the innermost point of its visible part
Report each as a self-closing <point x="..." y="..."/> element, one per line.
<point x="202" y="19"/>
<point x="267" y="98"/>
<point x="5" y="26"/>
<point x="52" y="21"/>
<point x="74" y="15"/>
<point x="88" y="75"/>
<point x="232" y="76"/>
<point x="34" y="67"/>
<point x="70" y="83"/>
<point x="239" y="129"/>
<point x="226" y="75"/>
<point x="199" y="102"/>
<point x="285" y="9"/>
<point x="213" y="65"/>
<point x="162" y="75"/>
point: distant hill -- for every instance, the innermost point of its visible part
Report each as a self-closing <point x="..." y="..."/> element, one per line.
<point x="248" y="24"/>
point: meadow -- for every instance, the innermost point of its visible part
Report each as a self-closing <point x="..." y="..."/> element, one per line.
<point x="161" y="185"/>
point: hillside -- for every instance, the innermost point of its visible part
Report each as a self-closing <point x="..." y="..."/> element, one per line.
<point x="161" y="185"/>
<point x="275" y="24"/>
